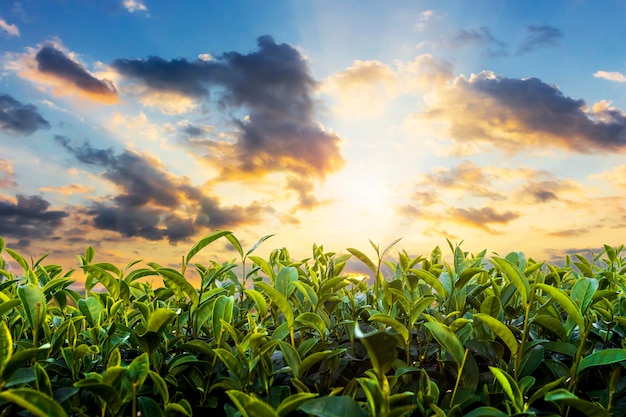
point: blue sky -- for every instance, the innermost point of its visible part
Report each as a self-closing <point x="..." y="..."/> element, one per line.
<point x="138" y="127"/>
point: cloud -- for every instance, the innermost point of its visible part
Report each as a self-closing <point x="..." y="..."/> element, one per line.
<point x="569" y="232"/>
<point x="611" y="76"/>
<point x="481" y="37"/>
<point x="134" y="6"/>
<point x="152" y="203"/>
<point x="29" y="218"/>
<point x="19" y="118"/>
<point x="480" y="218"/>
<point x="615" y="176"/>
<point x="539" y="37"/>
<point x="466" y="177"/>
<point x="544" y="191"/>
<point x="273" y="87"/>
<point x="51" y="65"/>
<point x="6" y="174"/>
<point x="304" y="190"/>
<point x="365" y="88"/>
<point x="11" y="30"/>
<point x="55" y="63"/>
<point x="70" y="189"/>
<point x="513" y="114"/>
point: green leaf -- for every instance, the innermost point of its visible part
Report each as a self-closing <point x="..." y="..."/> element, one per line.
<point x="381" y="347"/>
<point x="6" y="347"/>
<point x="159" y="319"/>
<point x="333" y="407"/>
<point x="149" y="407"/>
<point x="552" y="324"/>
<point x="259" y="301"/>
<point x="313" y="321"/>
<point x="18" y="258"/>
<point x="602" y="357"/>
<point x="91" y="309"/>
<point x="313" y="358"/>
<point x="582" y="293"/>
<point x="447" y="340"/>
<point x="222" y="310"/>
<point x="205" y="242"/>
<point x="265" y="267"/>
<point x="176" y="410"/>
<point x="110" y="282"/>
<point x="501" y="330"/>
<point x="179" y="284"/>
<point x="160" y="385"/>
<point x="280" y="301"/>
<point x="515" y="275"/>
<point x="431" y="280"/>
<point x="34" y="401"/>
<point x="34" y="302"/>
<point x="510" y="387"/>
<point x="250" y="406"/>
<point x="292" y="357"/>
<point x="588" y="408"/>
<point x="491" y="306"/>
<point x="486" y="412"/>
<point x="258" y="243"/>
<point x="20" y="358"/>
<point x="363" y="258"/>
<point x="565" y="302"/>
<point x="394" y="324"/>
<point x="285" y="279"/>
<point x="294" y="401"/>
<point x="7" y="306"/>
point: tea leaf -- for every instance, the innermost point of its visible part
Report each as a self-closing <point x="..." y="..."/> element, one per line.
<point x="176" y="410"/>
<point x="491" y="306"/>
<point x="363" y="258"/>
<point x="565" y="302"/>
<point x="205" y="242"/>
<point x="582" y="293"/>
<point x="259" y="301"/>
<point x="159" y="319"/>
<point x="515" y="275"/>
<point x="333" y="407"/>
<point x="447" y="340"/>
<point x="588" y="408"/>
<point x="250" y="406"/>
<point x="177" y="282"/>
<point x="500" y="329"/>
<point x="393" y="323"/>
<point x="149" y="407"/>
<point x="280" y="301"/>
<point x="431" y="280"/>
<point x="110" y="282"/>
<point x="381" y="347"/>
<point x="313" y="358"/>
<point x="293" y="401"/>
<point x="313" y="321"/>
<point x="510" y="387"/>
<point x="602" y="357"/>
<point x="18" y="258"/>
<point x="552" y="324"/>
<point x="258" y="243"/>
<point x="34" y="302"/>
<point x="222" y="310"/>
<point x="285" y="279"/>
<point x="34" y="401"/>
<point x="486" y="412"/>
<point x="6" y="347"/>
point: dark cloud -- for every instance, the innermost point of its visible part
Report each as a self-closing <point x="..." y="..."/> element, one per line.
<point x="273" y="86"/>
<point x="544" y="191"/>
<point x="16" y="117"/>
<point x="304" y="189"/>
<point x="154" y="204"/>
<point x="481" y="217"/>
<point x="54" y="62"/>
<point x="29" y="218"/>
<point x="480" y="37"/>
<point x="516" y="113"/>
<point x="538" y="37"/>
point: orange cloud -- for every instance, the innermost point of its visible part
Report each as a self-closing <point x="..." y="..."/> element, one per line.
<point x="53" y="66"/>
<point x="514" y="114"/>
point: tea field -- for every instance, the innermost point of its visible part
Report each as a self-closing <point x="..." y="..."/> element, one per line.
<point x="478" y="335"/>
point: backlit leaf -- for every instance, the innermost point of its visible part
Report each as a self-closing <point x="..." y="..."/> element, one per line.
<point x="280" y="301"/>
<point x="602" y="357"/>
<point x="380" y="347"/>
<point x="500" y="329"/>
<point x="515" y="275"/>
<point x="205" y="242"/>
<point x="250" y="406"/>
<point x="565" y="302"/>
<point x="582" y="293"/>
<point x="447" y="340"/>
<point x="333" y="407"/>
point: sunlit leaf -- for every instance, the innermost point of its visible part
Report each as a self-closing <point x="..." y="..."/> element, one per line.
<point x="515" y="275"/>
<point x="500" y="329"/>
<point x="565" y="302"/>
<point x="363" y="258"/>
<point x="394" y="324"/>
<point x="380" y="347"/>
<point x="582" y="293"/>
<point x="205" y="242"/>
<point x="447" y="340"/>
<point x="250" y="406"/>
<point x="333" y="407"/>
<point x="588" y="408"/>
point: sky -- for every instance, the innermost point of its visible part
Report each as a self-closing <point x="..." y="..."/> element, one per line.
<point x="140" y="126"/>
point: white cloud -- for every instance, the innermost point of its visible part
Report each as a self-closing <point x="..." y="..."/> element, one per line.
<point x="135" y="5"/>
<point x="611" y="76"/>
<point x="10" y="29"/>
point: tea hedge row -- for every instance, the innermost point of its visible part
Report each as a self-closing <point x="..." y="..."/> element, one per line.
<point x="476" y="336"/>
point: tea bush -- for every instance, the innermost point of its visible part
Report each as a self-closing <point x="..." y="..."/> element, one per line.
<point x="263" y="337"/>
